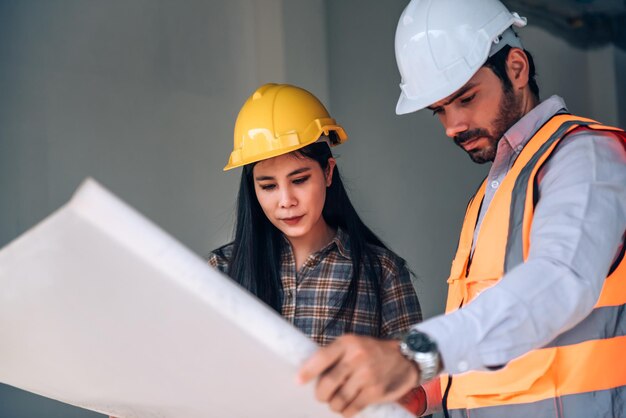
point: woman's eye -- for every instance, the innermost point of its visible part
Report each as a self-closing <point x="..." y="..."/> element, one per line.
<point x="468" y="99"/>
<point x="301" y="180"/>
<point x="267" y="186"/>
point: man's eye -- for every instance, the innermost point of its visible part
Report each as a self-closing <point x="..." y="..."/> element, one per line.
<point x="301" y="180"/>
<point x="468" y="99"/>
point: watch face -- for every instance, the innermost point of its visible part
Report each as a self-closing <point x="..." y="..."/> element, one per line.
<point x="420" y="343"/>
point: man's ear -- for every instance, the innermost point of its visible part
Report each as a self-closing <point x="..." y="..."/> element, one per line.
<point x="517" y="68"/>
<point x="330" y="169"/>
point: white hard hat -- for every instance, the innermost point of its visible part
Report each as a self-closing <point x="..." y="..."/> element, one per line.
<point x="440" y="44"/>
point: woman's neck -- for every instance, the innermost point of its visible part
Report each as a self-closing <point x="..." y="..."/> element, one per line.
<point x="310" y="243"/>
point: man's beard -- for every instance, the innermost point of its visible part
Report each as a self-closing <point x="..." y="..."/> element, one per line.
<point x="508" y="114"/>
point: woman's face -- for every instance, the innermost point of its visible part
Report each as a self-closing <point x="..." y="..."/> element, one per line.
<point x="291" y="190"/>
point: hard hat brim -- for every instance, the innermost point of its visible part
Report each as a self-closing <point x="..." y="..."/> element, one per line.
<point x="406" y="105"/>
<point x="323" y="130"/>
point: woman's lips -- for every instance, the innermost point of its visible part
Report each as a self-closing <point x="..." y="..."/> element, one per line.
<point x="293" y="220"/>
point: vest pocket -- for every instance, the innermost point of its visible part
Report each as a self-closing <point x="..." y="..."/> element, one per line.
<point x="456" y="285"/>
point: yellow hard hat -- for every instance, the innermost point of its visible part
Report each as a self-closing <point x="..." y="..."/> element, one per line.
<point x="278" y="119"/>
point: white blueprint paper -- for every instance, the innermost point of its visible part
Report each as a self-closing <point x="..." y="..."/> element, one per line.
<point x="101" y="309"/>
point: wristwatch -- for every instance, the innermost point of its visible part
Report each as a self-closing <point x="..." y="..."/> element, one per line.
<point x="418" y="347"/>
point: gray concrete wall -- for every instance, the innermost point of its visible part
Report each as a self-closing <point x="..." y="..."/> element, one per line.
<point x="141" y="95"/>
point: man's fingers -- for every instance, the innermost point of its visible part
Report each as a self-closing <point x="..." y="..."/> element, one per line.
<point x="320" y="361"/>
<point x="368" y="395"/>
<point x="357" y="405"/>
<point x="341" y="400"/>
<point x="346" y="394"/>
<point x="331" y="380"/>
<point x="375" y="385"/>
<point x="357" y="371"/>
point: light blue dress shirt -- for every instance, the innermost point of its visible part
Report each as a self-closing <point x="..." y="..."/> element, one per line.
<point x="577" y="231"/>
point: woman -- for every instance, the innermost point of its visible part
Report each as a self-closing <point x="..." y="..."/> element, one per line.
<point x="299" y="244"/>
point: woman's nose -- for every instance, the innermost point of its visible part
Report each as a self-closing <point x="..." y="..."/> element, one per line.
<point x="287" y="198"/>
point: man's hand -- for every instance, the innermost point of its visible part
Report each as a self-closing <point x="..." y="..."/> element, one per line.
<point x="355" y="372"/>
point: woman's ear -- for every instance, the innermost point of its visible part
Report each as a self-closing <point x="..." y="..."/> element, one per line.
<point x="330" y="169"/>
<point x="517" y="68"/>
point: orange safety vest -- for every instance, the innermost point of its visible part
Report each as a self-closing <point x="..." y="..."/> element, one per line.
<point x="582" y="373"/>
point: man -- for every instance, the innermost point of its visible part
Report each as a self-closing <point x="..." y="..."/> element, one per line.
<point x="535" y="323"/>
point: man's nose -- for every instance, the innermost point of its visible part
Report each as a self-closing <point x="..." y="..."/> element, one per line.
<point x="455" y="122"/>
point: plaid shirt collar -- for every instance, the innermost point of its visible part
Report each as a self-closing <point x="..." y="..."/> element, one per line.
<point x="340" y="241"/>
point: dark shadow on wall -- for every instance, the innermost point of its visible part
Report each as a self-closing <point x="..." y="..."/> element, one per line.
<point x="620" y="68"/>
<point x="582" y="23"/>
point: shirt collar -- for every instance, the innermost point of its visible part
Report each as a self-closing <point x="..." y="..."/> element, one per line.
<point x="520" y="133"/>
<point x="341" y="241"/>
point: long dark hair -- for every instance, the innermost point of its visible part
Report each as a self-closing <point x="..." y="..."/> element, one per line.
<point x="257" y="246"/>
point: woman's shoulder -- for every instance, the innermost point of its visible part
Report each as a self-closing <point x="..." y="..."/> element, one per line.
<point x="391" y="262"/>
<point x="220" y="257"/>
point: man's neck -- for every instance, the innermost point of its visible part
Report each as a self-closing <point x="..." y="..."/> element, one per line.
<point x="529" y="102"/>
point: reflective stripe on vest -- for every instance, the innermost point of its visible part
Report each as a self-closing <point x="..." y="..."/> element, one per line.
<point x="610" y="403"/>
<point x="581" y="365"/>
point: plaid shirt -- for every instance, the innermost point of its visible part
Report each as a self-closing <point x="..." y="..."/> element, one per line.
<point x="310" y="295"/>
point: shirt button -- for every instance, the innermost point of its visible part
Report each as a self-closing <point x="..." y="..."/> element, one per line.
<point x="495" y="184"/>
<point x="519" y="148"/>
<point x="289" y="294"/>
<point x="463" y="366"/>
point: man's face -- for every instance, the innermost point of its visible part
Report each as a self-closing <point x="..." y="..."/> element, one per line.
<point x="478" y="114"/>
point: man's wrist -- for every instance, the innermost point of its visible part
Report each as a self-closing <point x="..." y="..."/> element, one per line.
<point x="423" y="352"/>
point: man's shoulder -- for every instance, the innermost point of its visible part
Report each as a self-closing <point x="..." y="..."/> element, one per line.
<point x="596" y="137"/>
